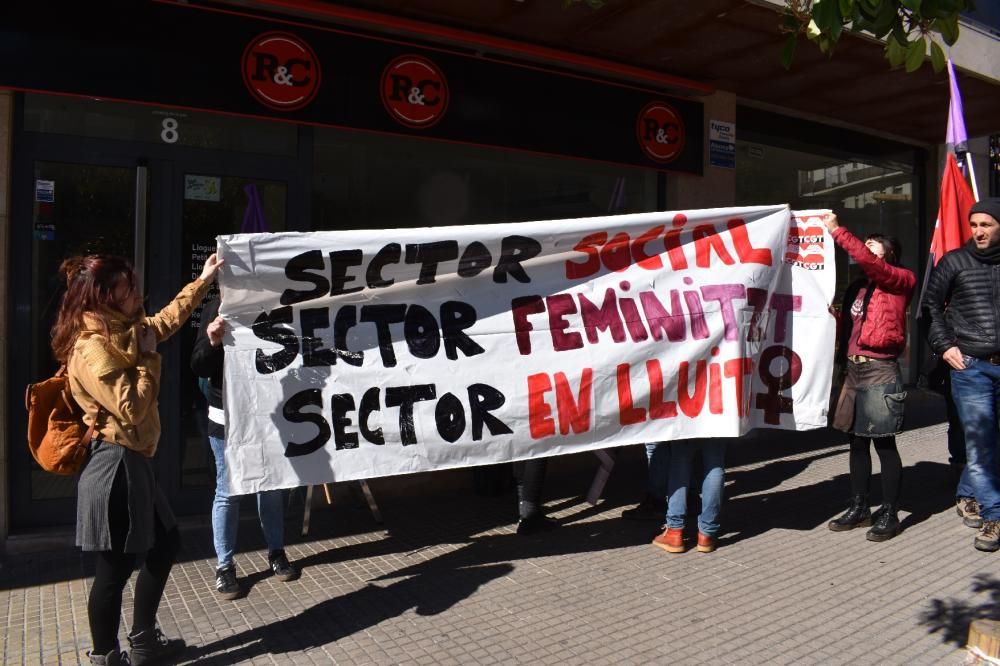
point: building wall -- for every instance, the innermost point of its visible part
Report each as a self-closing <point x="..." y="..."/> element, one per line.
<point x="6" y="132"/>
<point x="717" y="187"/>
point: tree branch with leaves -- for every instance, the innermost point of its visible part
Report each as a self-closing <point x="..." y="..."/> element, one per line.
<point x="907" y="26"/>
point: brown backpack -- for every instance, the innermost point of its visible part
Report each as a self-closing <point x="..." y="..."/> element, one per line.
<point x="57" y="436"/>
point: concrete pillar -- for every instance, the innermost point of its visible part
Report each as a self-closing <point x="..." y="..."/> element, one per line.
<point x="6" y="165"/>
<point x="717" y="187"/>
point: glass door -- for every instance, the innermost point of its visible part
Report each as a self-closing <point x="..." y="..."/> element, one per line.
<point x="212" y="205"/>
<point x="75" y="209"/>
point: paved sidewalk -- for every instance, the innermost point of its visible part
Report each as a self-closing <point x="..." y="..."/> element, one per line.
<point x="446" y="581"/>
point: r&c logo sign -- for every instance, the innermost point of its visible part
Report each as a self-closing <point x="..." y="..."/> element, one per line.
<point x="660" y="131"/>
<point x="414" y="91"/>
<point x="281" y="71"/>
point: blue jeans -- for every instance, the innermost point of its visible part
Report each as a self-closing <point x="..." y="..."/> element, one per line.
<point x="713" y="453"/>
<point x="658" y="464"/>
<point x="976" y="391"/>
<point x="226" y="511"/>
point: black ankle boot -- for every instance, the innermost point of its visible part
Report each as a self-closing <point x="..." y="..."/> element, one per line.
<point x="886" y="526"/>
<point x="858" y="515"/>
<point x="152" y="647"/>
<point x="113" y="658"/>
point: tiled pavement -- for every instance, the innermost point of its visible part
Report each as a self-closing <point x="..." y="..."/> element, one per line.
<point x="446" y="581"/>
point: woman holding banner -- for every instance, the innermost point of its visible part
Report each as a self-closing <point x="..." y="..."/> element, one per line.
<point x="109" y="344"/>
<point x="870" y="407"/>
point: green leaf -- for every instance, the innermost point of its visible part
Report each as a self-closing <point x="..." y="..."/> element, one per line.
<point x="938" y="60"/>
<point x="788" y="52"/>
<point x="895" y="52"/>
<point x="913" y="5"/>
<point x="847" y="8"/>
<point x="885" y="19"/>
<point x="948" y="27"/>
<point x="915" y="54"/>
<point x="790" y="22"/>
<point x="826" y="15"/>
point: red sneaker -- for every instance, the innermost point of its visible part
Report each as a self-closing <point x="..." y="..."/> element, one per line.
<point x="706" y="544"/>
<point x="672" y="540"/>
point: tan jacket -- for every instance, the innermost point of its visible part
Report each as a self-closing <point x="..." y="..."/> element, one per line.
<point x="125" y="382"/>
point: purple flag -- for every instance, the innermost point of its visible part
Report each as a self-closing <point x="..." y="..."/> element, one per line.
<point x="253" y="217"/>
<point x="956" y="135"/>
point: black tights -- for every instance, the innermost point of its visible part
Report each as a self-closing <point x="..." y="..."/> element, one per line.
<point x="530" y="475"/>
<point x="861" y="467"/>
<point x="104" y="607"/>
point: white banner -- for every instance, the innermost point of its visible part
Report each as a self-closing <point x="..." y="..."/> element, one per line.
<point x="357" y="354"/>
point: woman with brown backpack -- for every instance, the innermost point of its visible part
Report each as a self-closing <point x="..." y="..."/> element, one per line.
<point x="109" y="344"/>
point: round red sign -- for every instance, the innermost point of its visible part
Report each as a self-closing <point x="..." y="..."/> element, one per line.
<point x="281" y="71"/>
<point x="660" y="131"/>
<point x="414" y="91"/>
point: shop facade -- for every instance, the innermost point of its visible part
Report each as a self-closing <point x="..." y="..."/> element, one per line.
<point x="313" y="127"/>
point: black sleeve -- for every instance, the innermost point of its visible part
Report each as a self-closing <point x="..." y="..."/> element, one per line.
<point x="206" y="360"/>
<point x="939" y="334"/>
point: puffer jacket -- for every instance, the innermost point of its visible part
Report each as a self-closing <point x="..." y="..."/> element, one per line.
<point x="120" y="381"/>
<point x="963" y="297"/>
<point x="884" y="328"/>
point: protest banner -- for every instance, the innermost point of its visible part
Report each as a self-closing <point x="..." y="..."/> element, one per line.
<point x="358" y="354"/>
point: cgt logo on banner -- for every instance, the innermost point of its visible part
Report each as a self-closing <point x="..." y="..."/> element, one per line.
<point x="806" y="244"/>
<point x="281" y="71"/>
<point x="414" y="91"/>
<point x="376" y="352"/>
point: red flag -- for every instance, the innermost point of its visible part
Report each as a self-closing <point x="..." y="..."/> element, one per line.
<point x="952" y="228"/>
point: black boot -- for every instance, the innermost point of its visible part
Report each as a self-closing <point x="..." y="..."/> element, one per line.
<point x="152" y="647"/>
<point x="858" y="515"/>
<point x="113" y="658"/>
<point x="886" y="526"/>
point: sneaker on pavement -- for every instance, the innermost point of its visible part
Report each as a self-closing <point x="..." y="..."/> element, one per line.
<point x="226" y="584"/>
<point x="648" y="509"/>
<point x="282" y="569"/>
<point x="988" y="538"/>
<point x="968" y="509"/>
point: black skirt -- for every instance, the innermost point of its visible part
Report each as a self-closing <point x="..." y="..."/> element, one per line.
<point x="146" y="501"/>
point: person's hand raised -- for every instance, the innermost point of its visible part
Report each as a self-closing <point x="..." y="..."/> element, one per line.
<point x="212" y="265"/>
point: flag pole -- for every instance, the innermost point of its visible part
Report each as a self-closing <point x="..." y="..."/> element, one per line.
<point x="972" y="175"/>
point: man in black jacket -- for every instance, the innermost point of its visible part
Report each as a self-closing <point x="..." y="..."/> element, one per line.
<point x="207" y="360"/>
<point x="963" y="299"/>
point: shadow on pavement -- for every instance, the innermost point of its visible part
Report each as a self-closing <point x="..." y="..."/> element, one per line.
<point x="927" y="489"/>
<point x="429" y="587"/>
<point x="338" y="617"/>
<point x="951" y="617"/>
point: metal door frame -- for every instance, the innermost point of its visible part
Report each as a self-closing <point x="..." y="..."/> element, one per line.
<point x="162" y="229"/>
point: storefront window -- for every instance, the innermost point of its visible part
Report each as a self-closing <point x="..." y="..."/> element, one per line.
<point x="869" y="193"/>
<point x="368" y="181"/>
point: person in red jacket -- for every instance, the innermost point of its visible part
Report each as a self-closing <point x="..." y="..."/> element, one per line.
<point x="870" y="407"/>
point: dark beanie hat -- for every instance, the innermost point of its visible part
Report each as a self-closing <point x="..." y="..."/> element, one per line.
<point x="989" y="206"/>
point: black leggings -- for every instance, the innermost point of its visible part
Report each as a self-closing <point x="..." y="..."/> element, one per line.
<point x="530" y="475"/>
<point x="861" y="467"/>
<point x="104" y="607"/>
